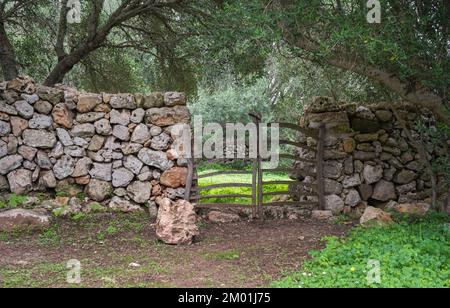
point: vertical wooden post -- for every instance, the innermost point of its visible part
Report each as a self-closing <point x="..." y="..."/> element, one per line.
<point x="257" y="171"/>
<point x="190" y="176"/>
<point x="320" y="165"/>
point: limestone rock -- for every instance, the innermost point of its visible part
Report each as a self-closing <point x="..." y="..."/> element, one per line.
<point x="62" y="116"/>
<point x="384" y="191"/>
<point x="82" y="167"/>
<point x="24" y="109"/>
<point x="87" y="102"/>
<point x="122" y="177"/>
<point x="121" y="118"/>
<point x="5" y="128"/>
<point x="133" y="164"/>
<point x="155" y="159"/>
<point x="321" y="215"/>
<point x="64" y="167"/>
<point x="18" y="125"/>
<point x="123" y="101"/>
<point x="121" y="205"/>
<point x="168" y="116"/>
<point x="174" y="177"/>
<point x="334" y="203"/>
<point x="140" y="134"/>
<point x="102" y="127"/>
<point x="139" y="192"/>
<point x="137" y="116"/>
<point x="176" y="222"/>
<point x="172" y="99"/>
<point x="10" y="163"/>
<point x="23" y="219"/>
<point x="374" y="216"/>
<point x="86" y="130"/>
<point x="121" y="132"/>
<point x="101" y="172"/>
<point x="98" y="190"/>
<point x="372" y="174"/>
<point x="43" y="107"/>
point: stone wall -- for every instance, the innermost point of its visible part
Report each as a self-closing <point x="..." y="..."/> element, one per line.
<point x="117" y="148"/>
<point x="369" y="159"/>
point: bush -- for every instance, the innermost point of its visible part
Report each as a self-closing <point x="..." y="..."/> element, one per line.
<point x="410" y="254"/>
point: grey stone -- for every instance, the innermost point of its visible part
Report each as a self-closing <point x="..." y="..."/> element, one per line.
<point x="30" y="99"/>
<point x="64" y="137"/>
<point x="64" y="167"/>
<point x="57" y="151"/>
<point x="131" y="148"/>
<point x="172" y="99"/>
<point x="74" y="151"/>
<point x="161" y="142"/>
<point x="4" y="185"/>
<point x="43" y="160"/>
<point x="334" y="203"/>
<point x="29" y="165"/>
<point x="383" y="115"/>
<point x="168" y="116"/>
<point x="372" y="174"/>
<point x="96" y="143"/>
<point x="121" y="205"/>
<point x="155" y="131"/>
<point x="133" y="164"/>
<point x="175" y="193"/>
<point x="121" y="118"/>
<point x="153" y="100"/>
<point x="27" y="152"/>
<point x="24" y="109"/>
<point x="89" y="117"/>
<point x="155" y="159"/>
<point x="352" y="198"/>
<point x="81" y="142"/>
<point x="13" y="143"/>
<point x="86" y="130"/>
<point x="23" y="219"/>
<point x="137" y="116"/>
<point x="3" y="149"/>
<point x="384" y="191"/>
<point x="348" y="165"/>
<point x="122" y="177"/>
<point x="5" y="128"/>
<point x="20" y="181"/>
<point x="40" y="121"/>
<point x="101" y="172"/>
<point x="102" y="127"/>
<point x="98" y="190"/>
<point x="332" y="187"/>
<point x="405" y="177"/>
<point x="364" y="156"/>
<point x="8" y="109"/>
<point x="333" y="169"/>
<point x="351" y="181"/>
<point x="43" y="107"/>
<point x="365" y="191"/>
<point x="82" y="167"/>
<point x="123" y="101"/>
<point x="139" y="192"/>
<point x="47" y="179"/>
<point x="140" y="134"/>
<point x="121" y="132"/>
<point x="10" y="163"/>
<point x="403" y="189"/>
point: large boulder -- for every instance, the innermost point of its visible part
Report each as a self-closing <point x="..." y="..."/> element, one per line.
<point x="375" y="217"/>
<point x="334" y="203"/>
<point x="176" y="222"/>
<point x="384" y="191"/>
<point x="21" y="219"/>
<point x="140" y="192"/>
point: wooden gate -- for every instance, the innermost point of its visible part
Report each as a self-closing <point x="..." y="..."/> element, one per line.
<point x="314" y="189"/>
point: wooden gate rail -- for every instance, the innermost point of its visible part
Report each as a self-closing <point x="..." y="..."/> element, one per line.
<point x="314" y="190"/>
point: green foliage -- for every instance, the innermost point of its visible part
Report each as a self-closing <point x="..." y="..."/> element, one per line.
<point x="50" y="237"/>
<point x="411" y="254"/>
<point x="227" y="255"/>
<point x="78" y="216"/>
<point x="247" y="178"/>
<point x="13" y="201"/>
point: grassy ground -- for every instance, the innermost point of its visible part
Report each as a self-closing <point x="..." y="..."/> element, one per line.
<point x="106" y="244"/>
<point x="410" y="254"/>
<point x="246" y="179"/>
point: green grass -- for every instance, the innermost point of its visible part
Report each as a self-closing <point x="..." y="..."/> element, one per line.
<point x="240" y="178"/>
<point x="232" y="254"/>
<point x="13" y="201"/>
<point x="411" y="254"/>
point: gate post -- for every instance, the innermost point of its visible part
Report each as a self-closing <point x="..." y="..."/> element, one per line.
<point x="320" y="157"/>
<point x="257" y="176"/>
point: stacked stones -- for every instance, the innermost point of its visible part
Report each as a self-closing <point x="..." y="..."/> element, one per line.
<point x="118" y="147"/>
<point x="369" y="159"/>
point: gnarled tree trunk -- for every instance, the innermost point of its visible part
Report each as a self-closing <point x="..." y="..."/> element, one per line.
<point x="7" y="56"/>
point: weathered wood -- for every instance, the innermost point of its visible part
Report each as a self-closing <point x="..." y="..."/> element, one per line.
<point x="220" y="196"/>
<point x="282" y="203"/>
<point x="189" y="179"/>
<point x="307" y="132"/>
<point x="221" y="205"/>
<point x="222" y="185"/>
<point x="212" y="174"/>
<point x="298" y="145"/>
<point x="320" y="156"/>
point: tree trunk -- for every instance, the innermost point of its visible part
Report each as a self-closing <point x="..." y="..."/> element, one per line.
<point x="7" y="55"/>
<point x="447" y="203"/>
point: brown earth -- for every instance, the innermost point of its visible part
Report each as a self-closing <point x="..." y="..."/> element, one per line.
<point x="242" y="254"/>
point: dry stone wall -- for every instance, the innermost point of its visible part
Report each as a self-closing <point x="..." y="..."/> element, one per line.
<point x="119" y="148"/>
<point x="369" y="159"/>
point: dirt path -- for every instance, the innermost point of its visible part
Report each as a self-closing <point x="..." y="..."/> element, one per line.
<point x="244" y="254"/>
